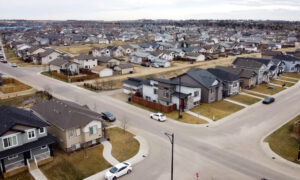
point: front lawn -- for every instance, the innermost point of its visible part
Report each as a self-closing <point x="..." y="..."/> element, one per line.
<point x="124" y="145"/>
<point x="20" y="176"/>
<point x="186" y="118"/>
<point x="267" y="89"/>
<point x="217" y="110"/>
<point x="75" y="166"/>
<point x="288" y="84"/>
<point x="292" y="75"/>
<point x="13" y="58"/>
<point x="288" y="79"/>
<point x="244" y="99"/>
<point x="283" y="143"/>
<point x="254" y="94"/>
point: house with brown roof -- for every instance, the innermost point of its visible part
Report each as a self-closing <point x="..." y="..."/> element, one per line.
<point x="74" y="126"/>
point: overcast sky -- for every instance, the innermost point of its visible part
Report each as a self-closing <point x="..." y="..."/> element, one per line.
<point x="149" y="9"/>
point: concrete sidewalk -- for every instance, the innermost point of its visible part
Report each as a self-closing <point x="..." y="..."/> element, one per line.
<point x="143" y="152"/>
<point x="235" y="102"/>
<point x="290" y="77"/>
<point x="259" y="93"/>
<point x="242" y="93"/>
<point x="36" y="172"/>
<point x="287" y="81"/>
<point x="200" y="116"/>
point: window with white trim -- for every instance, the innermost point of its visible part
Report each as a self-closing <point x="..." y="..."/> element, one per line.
<point x="10" y="141"/>
<point x="31" y="134"/>
<point x="93" y="130"/>
<point x="12" y="157"/>
<point x="78" y="132"/>
<point x="71" y="133"/>
<point x="42" y="130"/>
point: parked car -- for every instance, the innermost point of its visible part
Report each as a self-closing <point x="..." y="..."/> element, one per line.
<point x="108" y="116"/>
<point x="14" y="65"/>
<point x="3" y="61"/>
<point x="145" y="64"/>
<point x="118" y="171"/>
<point x="268" y="100"/>
<point x="158" y="116"/>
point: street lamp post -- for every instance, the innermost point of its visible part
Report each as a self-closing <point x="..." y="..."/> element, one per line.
<point x="171" y="138"/>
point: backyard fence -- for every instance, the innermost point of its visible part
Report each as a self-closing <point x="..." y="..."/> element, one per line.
<point x="154" y="105"/>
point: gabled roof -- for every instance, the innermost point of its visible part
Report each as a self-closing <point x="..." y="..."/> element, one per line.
<point x="203" y="77"/>
<point x="59" y="62"/>
<point x="104" y="59"/>
<point x="11" y="116"/>
<point x="173" y="82"/>
<point x="65" y="114"/>
<point x="260" y="60"/>
<point x="247" y="63"/>
<point x="271" y="53"/>
<point x="243" y="73"/>
<point x="84" y="57"/>
<point x="134" y="81"/>
<point x="47" y="52"/>
<point x="125" y="66"/>
<point x="223" y="75"/>
<point x="286" y="58"/>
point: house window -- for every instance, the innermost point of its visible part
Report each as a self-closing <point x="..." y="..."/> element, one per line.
<point x="93" y="130"/>
<point x="166" y="94"/>
<point x="78" y="132"/>
<point x="155" y="91"/>
<point x="75" y="146"/>
<point x="31" y="134"/>
<point x="12" y="157"/>
<point x="234" y="84"/>
<point x="44" y="147"/>
<point x="71" y="133"/>
<point x="42" y="130"/>
<point x="196" y="93"/>
<point x="10" y="141"/>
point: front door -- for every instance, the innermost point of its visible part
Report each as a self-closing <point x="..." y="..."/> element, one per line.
<point x="27" y="155"/>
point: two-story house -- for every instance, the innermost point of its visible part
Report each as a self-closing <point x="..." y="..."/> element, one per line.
<point x="64" y="65"/>
<point x="231" y="82"/>
<point x="167" y="92"/>
<point x="211" y="86"/>
<point x="259" y="68"/>
<point x="86" y="61"/>
<point x="46" y="56"/>
<point x="24" y="138"/>
<point x="74" y="126"/>
<point x="292" y="63"/>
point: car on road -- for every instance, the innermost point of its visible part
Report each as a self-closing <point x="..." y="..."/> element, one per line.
<point x="268" y="100"/>
<point x="158" y="116"/>
<point x="14" y="65"/>
<point x="108" y="116"/>
<point x="3" y="61"/>
<point x="118" y="171"/>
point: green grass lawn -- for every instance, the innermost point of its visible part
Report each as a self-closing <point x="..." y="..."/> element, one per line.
<point x="186" y="118"/>
<point x="217" y="110"/>
<point x="293" y="75"/>
<point x="283" y="143"/>
<point x="288" y="84"/>
<point x="75" y="166"/>
<point x="21" y="176"/>
<point x="244" y="99"/>
<point x="264" y="88"/>
<point x="288" y="79"/>
<point x="124" y="145"/>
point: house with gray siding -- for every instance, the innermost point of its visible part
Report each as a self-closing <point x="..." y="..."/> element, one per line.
<point x="231" y="82"/>
<point x="259" y="68"/>
<point x="24" y="138"/>
<point x="292" y="63"/>
<point x="210" y="85"/>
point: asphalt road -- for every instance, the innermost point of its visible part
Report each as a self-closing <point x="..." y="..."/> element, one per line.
<point x="230" y="149"/>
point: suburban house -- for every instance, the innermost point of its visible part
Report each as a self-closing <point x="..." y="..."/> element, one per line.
<point x="124" y="68"/>
<point x="292" y="64"/>
<point x="102" y="71"/>
<point x="211" y="86"/>
<point x="259" y="68"/>
<point x="24" y="139"/>
<point x="138" y="57"/>
<point x="167" y="92"/>
<point x="231" y="82"/>
<point x="64" y="65"/>
<point x="86" y="61"/>
<point x="194" y="57"/>
<point x="126" y="49"/>
<point x="247" y="77"/>
<point x="45" y="57"/>
<point x="74" y="126"/>
<point x="133" y="86"/>
<point x="270" y="54"/>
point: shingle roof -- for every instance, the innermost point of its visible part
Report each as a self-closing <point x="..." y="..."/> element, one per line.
<point x="246" y="62"/>
<point x="65" y="114"/>
<point x="47" y="52"/>
<point x="59" y="62"/>
<point x="271" y="53"/>
<point x="286" y="58"/>
<point x="125" y="66"/>
<point x="243" y="73"/>
<point x="174" y="82"/>
<point x="223" y="75"/>
<point x="11" y="116"/>
<point x="134" y="81"/>
<point x="203" y="77"/>
<point x="84" y="57"/>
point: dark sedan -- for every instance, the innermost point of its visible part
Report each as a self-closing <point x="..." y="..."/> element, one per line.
<point x="108" y="116"/>
<point x="268" y="100"/>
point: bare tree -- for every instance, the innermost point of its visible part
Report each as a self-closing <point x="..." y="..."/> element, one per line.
<point x="124" y="123"/>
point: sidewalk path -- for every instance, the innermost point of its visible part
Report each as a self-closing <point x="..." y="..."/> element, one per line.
<point x="259" y="93"/>
<point x="200" y="116"/>
<point x="235" y="102"/>
<point x="107" y="153"/>
<point x="290" y="77"/>
<point x="36" y="172"/>
<point x="15" y="94"/>
<point x="283" y="80"/>
<point x="251" y="95"/>
<point x="143" y="152"/>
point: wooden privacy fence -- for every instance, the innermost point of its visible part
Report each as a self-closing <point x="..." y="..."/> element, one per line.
<point x="154" y="105"/>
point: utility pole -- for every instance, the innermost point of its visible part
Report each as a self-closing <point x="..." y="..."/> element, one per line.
<point x="171" y="138"/>
<point x="179" y="105"/>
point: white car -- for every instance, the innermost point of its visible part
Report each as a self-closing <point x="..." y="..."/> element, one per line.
<point x="14" y="65"/>
<point x="118" y="171"/>
<point x="158" y="116"/>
